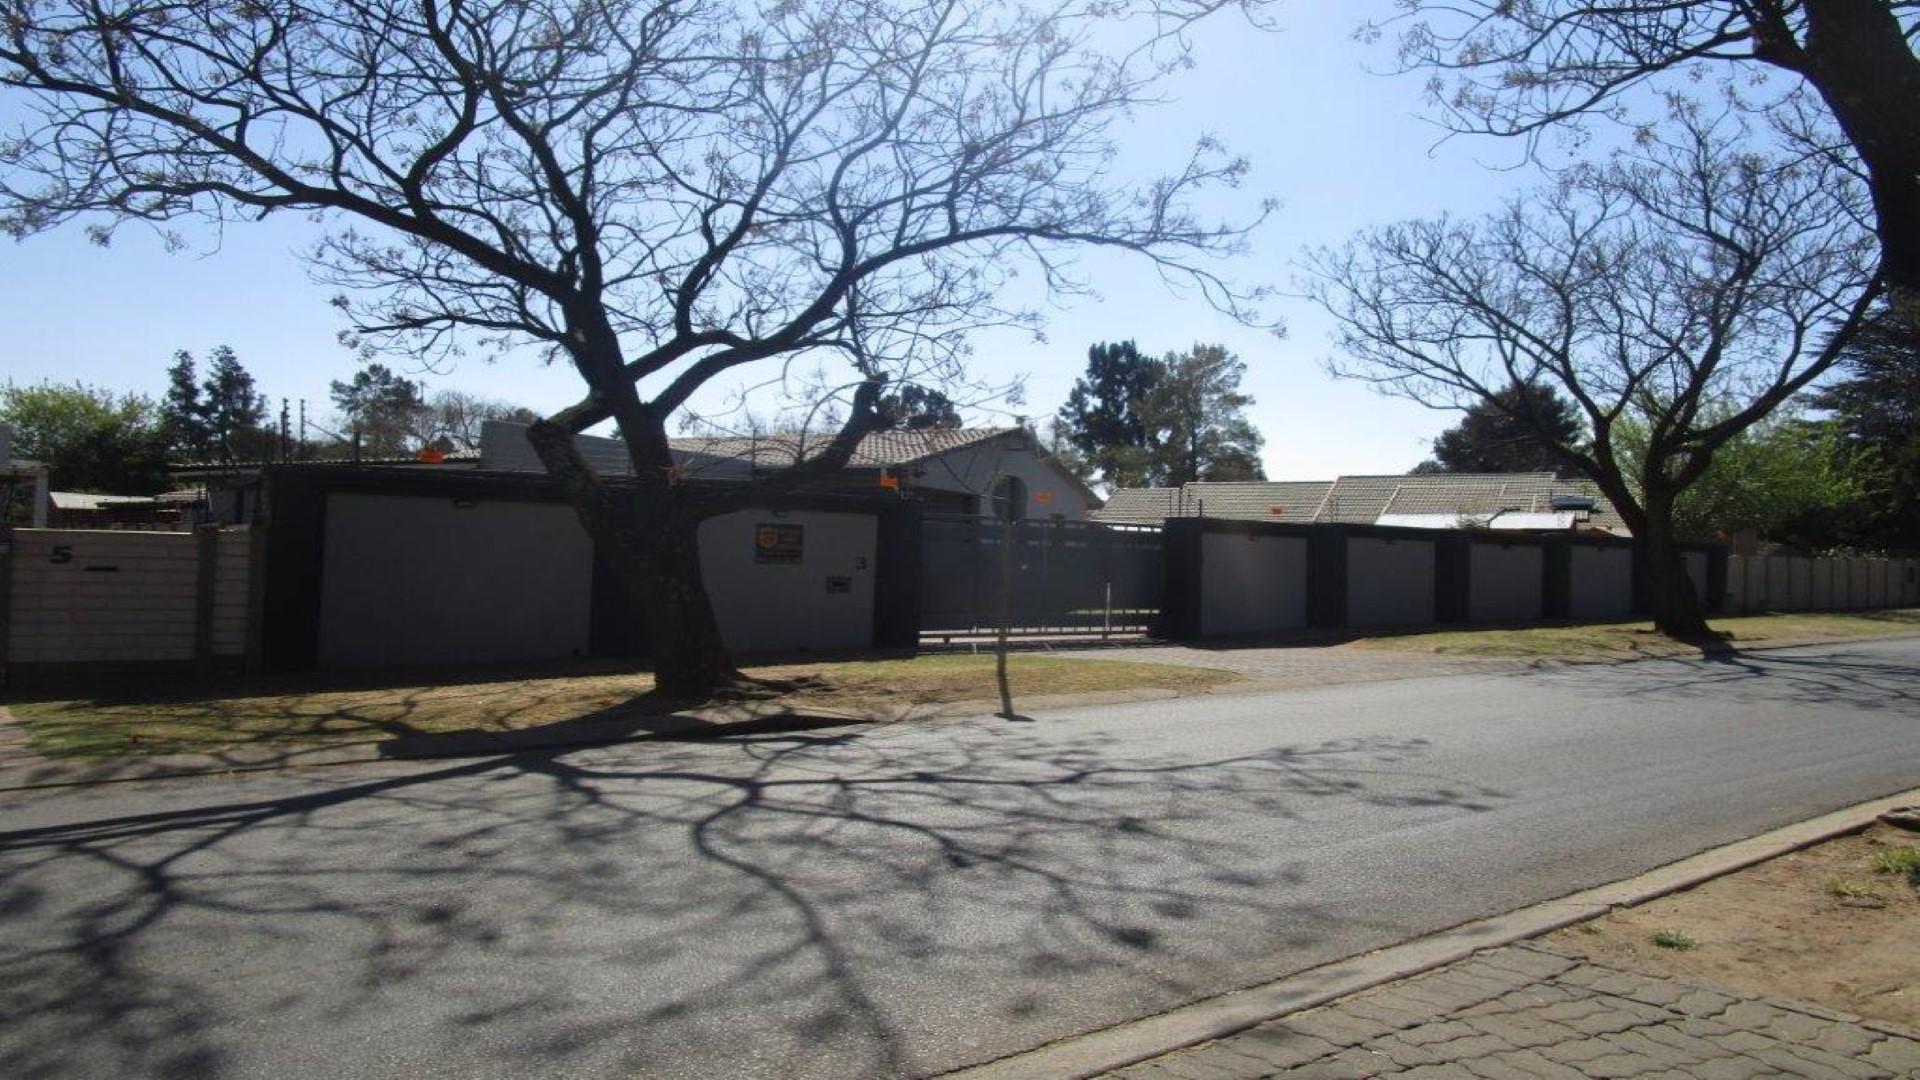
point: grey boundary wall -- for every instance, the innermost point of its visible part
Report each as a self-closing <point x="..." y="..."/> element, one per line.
<point x="299" y="500"/>
<point x="1250" y="578"/>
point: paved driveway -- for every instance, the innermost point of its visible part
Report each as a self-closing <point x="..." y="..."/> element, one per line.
<point x="876" y="902"/>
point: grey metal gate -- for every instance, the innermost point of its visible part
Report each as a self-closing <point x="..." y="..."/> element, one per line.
<point x="1068" y="577"/>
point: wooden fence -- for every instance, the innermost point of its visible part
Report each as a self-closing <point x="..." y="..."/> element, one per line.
<point x="87" y="599"/>
<point x="1801" y="583"/>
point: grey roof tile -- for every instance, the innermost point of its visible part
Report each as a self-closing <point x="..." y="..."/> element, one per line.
<point x="1258" y="500"/>
<point x="1139" y="506"/>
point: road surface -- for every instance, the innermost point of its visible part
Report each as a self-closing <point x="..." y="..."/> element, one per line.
<point x="880" y="902"/>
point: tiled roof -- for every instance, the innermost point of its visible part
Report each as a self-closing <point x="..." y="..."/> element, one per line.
<point x="1294" y="500"/>
<point x="1139" y="506"/>
<point x="504" y="446"/>
<point x="199" y="468"/>
<point x="875" y="451"/>
<point x="1362" y="500"/>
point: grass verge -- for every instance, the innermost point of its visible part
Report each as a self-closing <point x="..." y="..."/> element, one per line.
<point x="1627" y="639"/>
<point x="322" y="710"/>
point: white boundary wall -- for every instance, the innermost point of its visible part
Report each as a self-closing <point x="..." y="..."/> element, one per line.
<point x="96" y="596"/>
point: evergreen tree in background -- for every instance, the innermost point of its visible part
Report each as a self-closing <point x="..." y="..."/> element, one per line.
<point x="183" y="418"/>
<point x="1135" y="421"/>
<point x="1196" y="415"/>
<point x="1877" y="409"/>
<point x="1502" y="434"/>
<point x="235" y="413"/>
<point x="219" y="418"/>
<point x="384" y="408"/>
<point x="1103" y="418"/>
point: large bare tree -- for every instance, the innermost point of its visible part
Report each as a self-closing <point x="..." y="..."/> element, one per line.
<point x="1522" y="67"/>
<point x="1680" y="290"/>
<point x="658" y="192"/>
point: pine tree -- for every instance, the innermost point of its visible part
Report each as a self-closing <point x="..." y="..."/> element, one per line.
<point x="234" y="411"/>
<point x="1197" y="420"/>
<point x="382" y="407"/>
<point x="183" y="415"/>
<point x="1102" y="419"/>
<point x="1502" y="434"/>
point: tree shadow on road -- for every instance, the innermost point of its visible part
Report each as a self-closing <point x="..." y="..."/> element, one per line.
<point x="795" y="904"/>
<point x="1833" y="676"/>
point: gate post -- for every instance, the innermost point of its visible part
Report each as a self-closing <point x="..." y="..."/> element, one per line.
<point x="1180" y="617"/>
<point x="1327" y="577"/>
<point x="896" y="577"/>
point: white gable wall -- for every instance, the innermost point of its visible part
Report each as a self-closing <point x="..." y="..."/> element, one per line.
<point x="974" y="469"/>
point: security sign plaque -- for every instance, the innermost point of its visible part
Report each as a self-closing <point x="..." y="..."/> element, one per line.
<point x="778" y="543"/>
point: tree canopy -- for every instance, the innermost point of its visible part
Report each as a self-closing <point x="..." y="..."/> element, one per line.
<point x="382" y="410"/>
<point x="656" y="194"/>
<point x="1199" y="418"/>
<point x="221" y="418"/>
<point x="1104" y="419"/>
<point x="1790" y="479"/>
<point x="1525" y="68"/>
<point x="1501" y="433"/>
<point x="1686" y="286"/>
<point x="91" y="438"/>
<point x="1135" y="420"/>
<point x="1875" y="405"/>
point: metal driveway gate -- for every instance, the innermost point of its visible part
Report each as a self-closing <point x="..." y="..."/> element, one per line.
<point x="1068" y="577"/>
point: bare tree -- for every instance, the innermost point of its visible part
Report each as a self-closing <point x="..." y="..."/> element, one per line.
<point x="657" y="192"/>
<point x="452" y="420"/>
<point x="1684" y="288"/>
<point x="1521" y="67"/>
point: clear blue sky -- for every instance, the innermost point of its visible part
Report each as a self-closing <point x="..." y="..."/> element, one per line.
<point x="1340" y="148"/>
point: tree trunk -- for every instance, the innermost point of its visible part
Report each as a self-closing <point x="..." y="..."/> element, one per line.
<point x="1861" y="63"/>
<point x="1670" y="591"/>
<point x="688" y="656"/>
<point x="650" y="538"/>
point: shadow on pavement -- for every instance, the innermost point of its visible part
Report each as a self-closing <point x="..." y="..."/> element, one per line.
<point x="783" y="903"/>
<point x="1836" y="675"/>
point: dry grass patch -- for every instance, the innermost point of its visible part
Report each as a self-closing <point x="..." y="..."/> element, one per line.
<point x="333" y="710"/>
<point x="1827" y="925"/>
<point x="1630" y="639"/>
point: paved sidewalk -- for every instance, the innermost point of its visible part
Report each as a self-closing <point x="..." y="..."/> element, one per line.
<point x="1531" y="1011"/>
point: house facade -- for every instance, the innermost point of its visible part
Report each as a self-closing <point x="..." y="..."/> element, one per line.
<point x="985" y="472"/>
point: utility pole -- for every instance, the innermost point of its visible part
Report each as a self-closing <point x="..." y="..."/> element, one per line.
<point x="300" y="448"/>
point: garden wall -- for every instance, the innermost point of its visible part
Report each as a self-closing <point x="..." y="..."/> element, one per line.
<point x="1802" y="583"/>
<point x="111" y="599"/>
<point x="1247" y="578"/>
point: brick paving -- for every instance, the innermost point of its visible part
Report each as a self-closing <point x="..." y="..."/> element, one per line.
<point x="1531" y="1011"/>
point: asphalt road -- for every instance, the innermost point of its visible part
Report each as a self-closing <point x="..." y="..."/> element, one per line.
<point x="882" y="902"/>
